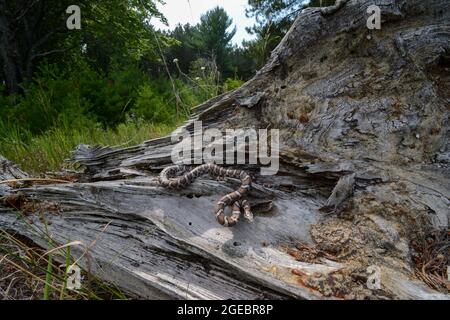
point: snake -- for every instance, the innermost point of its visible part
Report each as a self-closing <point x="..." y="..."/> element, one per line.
<point x="180" y="176"/>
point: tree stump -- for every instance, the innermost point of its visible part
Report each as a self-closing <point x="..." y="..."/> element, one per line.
<point x="364" y="172"/>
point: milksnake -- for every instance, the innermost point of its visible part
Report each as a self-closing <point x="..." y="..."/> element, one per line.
<point x="179" y="177"/>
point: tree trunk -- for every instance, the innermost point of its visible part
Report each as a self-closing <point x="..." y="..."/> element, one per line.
<point x="21" y="38"/>
<point x="363" y="119"/>
<point x="9" y="57"/>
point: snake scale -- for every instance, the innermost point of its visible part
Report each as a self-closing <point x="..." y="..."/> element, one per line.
<point x="179" y="177"/>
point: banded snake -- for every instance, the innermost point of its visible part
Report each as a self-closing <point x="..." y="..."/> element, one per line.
<point x="179" y="177"/>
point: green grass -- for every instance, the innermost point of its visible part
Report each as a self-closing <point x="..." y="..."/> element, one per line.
<point x="48" y="278"/>
<point x="48" y="151"/>
<point x="31" y="273"/>
<point x="38" y="130"/>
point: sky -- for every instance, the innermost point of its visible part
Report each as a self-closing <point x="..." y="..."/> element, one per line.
<point x="189" y="11"/>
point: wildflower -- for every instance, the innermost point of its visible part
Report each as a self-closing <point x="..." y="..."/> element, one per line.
<point x="203" y="68"/>
<point x="175" y="60"/>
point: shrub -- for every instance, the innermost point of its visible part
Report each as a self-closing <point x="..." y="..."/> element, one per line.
<point x="151" y="106"/>
<point x="60" y="110"/>
<point x="45" y="100"/>
<point x="231" y="84"/>
<point x="48" y="151"/>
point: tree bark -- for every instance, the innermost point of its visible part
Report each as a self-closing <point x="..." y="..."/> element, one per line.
<point x="363" y="119"/>
<point x="9" y="59"/>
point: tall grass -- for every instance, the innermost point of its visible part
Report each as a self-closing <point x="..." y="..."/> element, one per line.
<point x="29" y="273"/>
<point x="59" y="111"/>
<point x="46" y="152"/>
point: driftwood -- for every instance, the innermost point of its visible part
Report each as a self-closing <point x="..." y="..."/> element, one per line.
<point x="364" y="169"/>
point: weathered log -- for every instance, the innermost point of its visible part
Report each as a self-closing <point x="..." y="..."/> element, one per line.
<point x="363" y="118"/>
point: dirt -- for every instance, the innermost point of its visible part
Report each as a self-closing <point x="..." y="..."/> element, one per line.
<point x="368" y="233"/>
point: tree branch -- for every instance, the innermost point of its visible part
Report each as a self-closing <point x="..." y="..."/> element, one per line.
<point x="25" y="10"/>
<point x="44" y="54"/>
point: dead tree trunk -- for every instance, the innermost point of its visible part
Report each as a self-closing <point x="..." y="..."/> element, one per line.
<point x="363" y="117"/>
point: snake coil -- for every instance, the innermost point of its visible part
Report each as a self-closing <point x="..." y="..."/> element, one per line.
<point x="169" y="179"/>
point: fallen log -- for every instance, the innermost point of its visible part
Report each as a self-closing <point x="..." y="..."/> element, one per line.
<point x="364" y="171"/>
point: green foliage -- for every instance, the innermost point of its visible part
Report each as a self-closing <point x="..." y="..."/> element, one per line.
<point x="150" y="105"/>
<point x="207" y="75"/>
<point x="185" y="49"/>
<point x="110" y="97"/>
<point x="231" y="84"/>
<point x="274" y="18"/>
<point x="280" y="12"/>
<point x="49" y="274"/>
<point x="47" y="151"/>
<point x="107" y="83"/>
<point x="214" y="38"/>
<point x="277" y="11"/>
<point x="209" y="40"/>
<point x="56" y="95"/>
<point x="60" y="110"/>
<point x="243" y="64"/>
<point x="38" y="272"/>
<point x="267" y="38"/>
<point x="112" y="32"/>
<point x="46" y="100"/>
